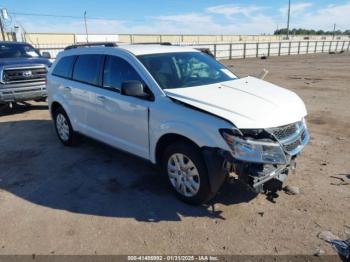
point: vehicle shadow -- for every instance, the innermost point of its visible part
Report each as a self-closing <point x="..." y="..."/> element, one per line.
<point x="93" y="178"/>
<point x="22" y="107"/>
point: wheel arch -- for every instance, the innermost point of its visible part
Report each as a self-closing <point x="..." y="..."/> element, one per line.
<point x="212" y="158"/>
<point x="59" y="102"/>
<point x="54" y="106"/>
<point x="168" y="139"/>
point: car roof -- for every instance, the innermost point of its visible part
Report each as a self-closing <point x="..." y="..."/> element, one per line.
<point x="135" y="49"/>
<point x="146" y="49"/>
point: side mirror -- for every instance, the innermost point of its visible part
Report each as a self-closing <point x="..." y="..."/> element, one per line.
<point x="46" y="55"/>
<point x="133" y="88"/>
<point x="206" y="51"/>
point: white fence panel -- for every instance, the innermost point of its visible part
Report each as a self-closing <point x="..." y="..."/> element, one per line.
<point x="247" y="49"/>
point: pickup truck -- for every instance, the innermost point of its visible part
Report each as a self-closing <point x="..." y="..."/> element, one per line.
<point x="182" y="110"/>
<point x="22" y="73"/>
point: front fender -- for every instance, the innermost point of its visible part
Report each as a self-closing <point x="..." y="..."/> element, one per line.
<point x="210" y="148"/>
<point x="192" y="133"/>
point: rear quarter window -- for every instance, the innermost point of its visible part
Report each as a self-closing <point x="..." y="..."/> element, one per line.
<point x="64" y="67"/>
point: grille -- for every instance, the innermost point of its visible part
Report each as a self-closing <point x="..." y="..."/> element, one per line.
<point x="24" y="75"/>
<point x="292" y="146"/>
<point x="286" y="131"/>
<point x="292" y="137"/>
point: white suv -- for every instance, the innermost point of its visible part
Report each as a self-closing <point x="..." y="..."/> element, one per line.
<point x="182" y="110"/>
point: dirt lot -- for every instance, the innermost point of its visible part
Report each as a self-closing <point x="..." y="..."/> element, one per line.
<point x="93" y="199"/>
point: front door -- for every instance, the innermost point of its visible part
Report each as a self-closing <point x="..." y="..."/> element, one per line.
<point x="121" y="121"/>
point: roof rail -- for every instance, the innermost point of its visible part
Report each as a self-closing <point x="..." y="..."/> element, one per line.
<point x="153" y="43"/>
<point x="105" y="44"/>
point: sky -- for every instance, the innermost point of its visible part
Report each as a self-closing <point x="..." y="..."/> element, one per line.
<point x="176" y="16"/>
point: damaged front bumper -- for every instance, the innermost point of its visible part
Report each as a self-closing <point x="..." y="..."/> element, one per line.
<point x="260" y="178"/>
<point x="263" y="178"/>
<point x="264" y="164"/>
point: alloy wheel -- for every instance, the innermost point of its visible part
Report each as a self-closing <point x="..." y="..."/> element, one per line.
<point x="62" y="127"/>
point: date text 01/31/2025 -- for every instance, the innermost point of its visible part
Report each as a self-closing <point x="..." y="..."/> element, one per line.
<point x="172" y="258"/>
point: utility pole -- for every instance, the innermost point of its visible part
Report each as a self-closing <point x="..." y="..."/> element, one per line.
<point x="2" y="26"/>
<point x="86" y="30"/>
<point x="334" y="31"/>
<point x="288" y="20"/>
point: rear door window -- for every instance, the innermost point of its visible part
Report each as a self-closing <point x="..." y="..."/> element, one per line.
<point x="64" y="67"/>
<point x="87" y="69"/>
<point x="117" y="71"/>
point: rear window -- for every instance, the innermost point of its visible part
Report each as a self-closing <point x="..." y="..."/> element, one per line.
<point x="87" y="69"/>
<point x="64" y="67"/>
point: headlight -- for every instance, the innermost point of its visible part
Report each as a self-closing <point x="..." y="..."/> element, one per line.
<point x="254" y="150"/>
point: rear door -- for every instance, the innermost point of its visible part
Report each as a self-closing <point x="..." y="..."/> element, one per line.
<point x="87" y="78"/>
<point x="63" y="82"/>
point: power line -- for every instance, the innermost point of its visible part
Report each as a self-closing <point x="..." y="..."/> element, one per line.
<point x="47" y="15"/>
<point x="67" y="16"/>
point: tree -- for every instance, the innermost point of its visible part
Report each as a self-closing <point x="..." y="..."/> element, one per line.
<point x="301" y="31"/>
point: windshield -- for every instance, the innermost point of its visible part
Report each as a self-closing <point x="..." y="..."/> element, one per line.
<point x="185" y="69"/>
<point x="9" y="50"/>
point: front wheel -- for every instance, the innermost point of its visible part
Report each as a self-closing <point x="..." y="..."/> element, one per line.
<point x="187" y="172"/>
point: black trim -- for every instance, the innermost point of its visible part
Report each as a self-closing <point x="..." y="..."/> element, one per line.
<point x="215" y="166"/>
<point x="104" y="44"/>
<point x="102" y="65"/>
<point x="72" y="67"/>
<point x="148" y="130"/>
<point x="103" y="70"/>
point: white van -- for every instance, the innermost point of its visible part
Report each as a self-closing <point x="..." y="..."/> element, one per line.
<point x="180" y="109"/>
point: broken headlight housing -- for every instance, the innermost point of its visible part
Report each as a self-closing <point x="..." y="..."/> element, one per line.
<point x="253" y="150"/>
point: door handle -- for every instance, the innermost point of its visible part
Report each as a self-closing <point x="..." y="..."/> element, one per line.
<point x="68" y="88"/>
<point x="101" y="98"/>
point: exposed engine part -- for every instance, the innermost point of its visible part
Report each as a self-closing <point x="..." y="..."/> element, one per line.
<point x="262" y="178"/>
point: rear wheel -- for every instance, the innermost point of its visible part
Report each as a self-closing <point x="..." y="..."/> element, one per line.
<point x="63" y="127"/>
<point x="187" y="172"/>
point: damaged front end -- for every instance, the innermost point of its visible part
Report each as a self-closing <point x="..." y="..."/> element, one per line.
<point x="262" y="158"/>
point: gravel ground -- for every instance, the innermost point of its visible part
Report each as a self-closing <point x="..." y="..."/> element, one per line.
<point x="93" y="199"/>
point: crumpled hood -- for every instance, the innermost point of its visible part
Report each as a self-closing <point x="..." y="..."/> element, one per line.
<point x="22" y="61"/>
<point x="247" y="102"/>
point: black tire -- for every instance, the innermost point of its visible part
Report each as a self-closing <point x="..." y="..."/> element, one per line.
<point x="194" y="154"/>
<point x="72" y="136"/>
<point x="42" y="99"/>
